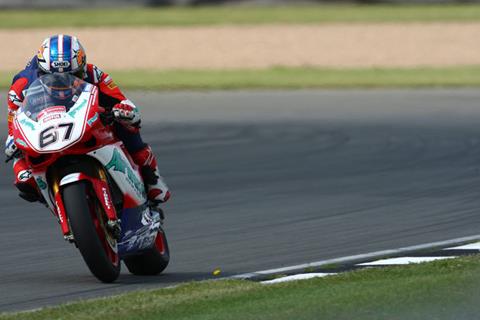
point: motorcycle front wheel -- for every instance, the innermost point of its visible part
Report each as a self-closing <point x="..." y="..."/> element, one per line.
<point x="88" y="225"/>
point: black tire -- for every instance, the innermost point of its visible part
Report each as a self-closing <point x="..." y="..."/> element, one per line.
<point x="76" y="201"/>
<point x="151" y="262"/>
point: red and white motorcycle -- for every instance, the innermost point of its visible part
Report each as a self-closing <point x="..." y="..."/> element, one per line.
<point x="87" y="178"/>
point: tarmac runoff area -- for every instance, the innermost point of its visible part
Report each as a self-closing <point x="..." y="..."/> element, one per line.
<point x="269" y="179"/>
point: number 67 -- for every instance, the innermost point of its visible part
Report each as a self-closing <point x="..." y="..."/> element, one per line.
<point x="50" y="134"/>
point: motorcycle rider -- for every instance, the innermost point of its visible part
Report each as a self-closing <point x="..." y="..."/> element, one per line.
<point x="64" y="53"/>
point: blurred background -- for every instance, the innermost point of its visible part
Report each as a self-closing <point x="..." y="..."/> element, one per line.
<point x="106" y="3"/>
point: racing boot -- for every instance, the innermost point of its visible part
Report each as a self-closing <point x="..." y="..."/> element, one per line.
<point x="157" y="189"/>
<point x="25" y="182"/>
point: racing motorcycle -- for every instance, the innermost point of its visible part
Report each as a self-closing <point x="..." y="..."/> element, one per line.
<point x="87" y="178"/>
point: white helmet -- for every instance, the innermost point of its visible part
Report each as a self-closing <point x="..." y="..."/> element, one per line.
<point x="61" y="53"/>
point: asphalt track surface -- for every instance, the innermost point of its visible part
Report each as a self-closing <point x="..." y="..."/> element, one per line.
<point x="269" y="179"/>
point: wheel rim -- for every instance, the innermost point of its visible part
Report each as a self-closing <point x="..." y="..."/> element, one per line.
<point x="109" y="244"/>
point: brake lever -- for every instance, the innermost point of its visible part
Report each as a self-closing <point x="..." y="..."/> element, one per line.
<point x="106" y="116"/>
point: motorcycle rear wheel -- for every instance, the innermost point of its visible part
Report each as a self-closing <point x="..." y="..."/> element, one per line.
<point x="87" y="223"/>
<point x="153" y="261"/>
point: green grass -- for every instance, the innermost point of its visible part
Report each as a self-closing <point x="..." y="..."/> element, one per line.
<point x="298" y="78"/>
<point x="292" y="78"/>
<point x="447" y="289"/>
<point x="236" y="15"/>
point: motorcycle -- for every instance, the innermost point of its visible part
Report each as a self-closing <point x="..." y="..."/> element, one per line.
<point x="87" y="178"/>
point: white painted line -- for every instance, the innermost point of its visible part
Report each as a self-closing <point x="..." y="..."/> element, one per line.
<point x="471" y="246"/>
<point x="297" y="277"/>
<point x="360" y="257"/>
<point x="402" y="260"/>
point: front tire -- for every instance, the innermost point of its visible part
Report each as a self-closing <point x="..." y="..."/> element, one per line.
<point x="153" y="261"/>
<point x="88" y="228"/>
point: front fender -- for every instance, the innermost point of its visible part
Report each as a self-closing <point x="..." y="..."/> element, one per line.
<point x="73" y="177"/>
<point x="101" y="188"/>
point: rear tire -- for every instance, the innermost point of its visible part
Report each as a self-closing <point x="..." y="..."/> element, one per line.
<point x="89" y="233"/>
<point x="153" y="261"/>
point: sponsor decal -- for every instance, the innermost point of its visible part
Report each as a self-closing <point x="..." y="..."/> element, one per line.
<point x="51" y="117"/>
<point x="41" y="184"/>
<point x="77" y="108"/>
<point x="24" y="175"/>
<point x="138" y="240"/>
<point x="40" y="52"/>
<point x="112" y="85"/>
<point x="54" y="109"/>
<point x="79" y="55"/>
<point x="109" y="83"/>
<point x="92" y="120"/>
<point x="58" y="211"/>
<point x="118" y="163"/>
<point x="60" y="64"/>
<point x="107" y="79"/>
<point x="106" y="198"/>
<point x="21" y="142"/>
<point x="27" y="123"/>
<point x="51" y="110"/>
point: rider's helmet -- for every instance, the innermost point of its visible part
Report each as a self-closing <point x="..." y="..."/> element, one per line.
<point x="62" y="53"/>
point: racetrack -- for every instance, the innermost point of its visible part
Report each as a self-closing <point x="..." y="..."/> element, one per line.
<point x="270" y="179"/>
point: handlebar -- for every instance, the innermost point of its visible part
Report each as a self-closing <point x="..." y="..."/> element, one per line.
<point x="106" y="116"/>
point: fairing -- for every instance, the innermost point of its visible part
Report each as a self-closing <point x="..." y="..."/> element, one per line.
<point x="50" y="126"/>
<point x="123" y="171"/>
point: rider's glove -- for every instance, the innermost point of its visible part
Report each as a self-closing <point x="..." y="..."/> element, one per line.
<point x="11" y="149"/>
<point x="126" y="113"/>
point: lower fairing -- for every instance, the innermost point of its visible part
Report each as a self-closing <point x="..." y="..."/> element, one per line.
<point x="139" y="229"/>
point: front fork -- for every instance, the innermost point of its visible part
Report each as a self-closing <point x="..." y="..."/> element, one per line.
<point x="102" y="191"/>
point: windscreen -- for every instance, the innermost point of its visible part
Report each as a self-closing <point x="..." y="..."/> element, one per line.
<point x="59" y="90"/>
